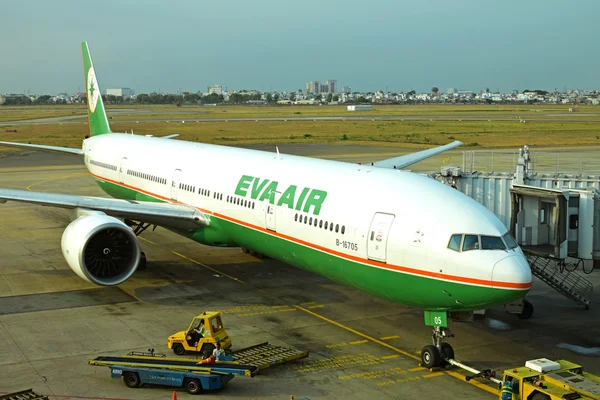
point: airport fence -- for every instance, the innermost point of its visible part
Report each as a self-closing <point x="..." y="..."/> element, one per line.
<point x="567" y="162"/>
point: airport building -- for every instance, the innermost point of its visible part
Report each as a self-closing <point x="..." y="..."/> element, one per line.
<point x="119" y="92"/>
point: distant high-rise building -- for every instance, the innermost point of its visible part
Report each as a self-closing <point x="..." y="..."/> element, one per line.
<point x="331" y="85"/>
<point x="324" y="88"/>
<point x="347" y="89"/>
<point x="315" y="87"/>
<point x="451" y="90"/>
<point x="217" y="89"/>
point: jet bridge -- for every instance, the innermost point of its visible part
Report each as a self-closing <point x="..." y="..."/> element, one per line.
<point x="555" y="217"/>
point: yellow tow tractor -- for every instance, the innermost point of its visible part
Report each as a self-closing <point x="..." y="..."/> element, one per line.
<point x="201" y="336"/>
<point x="543" y="379"/>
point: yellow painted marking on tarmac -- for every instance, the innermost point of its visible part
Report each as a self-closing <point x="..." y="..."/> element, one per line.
<point x="207" y="267"/>
<point x="310" y="302"/>
<point x="473" y="382"/>
<point x="319" y="306"/>
<point x="433" y="375"/>
<point x="390" y="357"/>
<point x="147" y="240"/>
<point x="390" y="337"/>
<point x="55" y="179"/>
<point x="287" y="309"/>
<point x="279" y="306"/>
<point x="359" y="342"/>
<point x="417" y="369"/>
<point x="372" y="339"/>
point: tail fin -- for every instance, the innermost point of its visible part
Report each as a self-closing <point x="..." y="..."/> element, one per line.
<point x="97" y="115"/>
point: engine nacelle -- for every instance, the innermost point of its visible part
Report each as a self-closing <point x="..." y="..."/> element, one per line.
<point x="101" y="249"/>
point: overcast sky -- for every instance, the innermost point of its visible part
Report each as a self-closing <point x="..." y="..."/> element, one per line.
<point x="153" y="45"/>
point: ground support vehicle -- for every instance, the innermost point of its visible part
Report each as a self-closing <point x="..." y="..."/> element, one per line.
<point x="265" y="355"/>
<point x="201" y="336"/>
<point x="543" y="379"/>
<point x="206" y="330"/>
<point x="192" y="375"/>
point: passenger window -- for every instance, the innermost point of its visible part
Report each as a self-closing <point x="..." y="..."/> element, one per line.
<point x="320" y="223"/>
<point x="325" y="225"/>
<point x="343" y="229"/>
<point x="310" y="221"/>
<point x="305" y="219"/>
<point x="492" y="243"/>
<point x="296" y="218"/>
<point x="331" y="226"/>
<point x="454" y="243"/>
<point x="315" y="222"/>
<point x="337" y="226"/>
<point x="471" y="242"/>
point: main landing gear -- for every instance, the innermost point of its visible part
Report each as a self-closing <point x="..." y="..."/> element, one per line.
<point x="138" y="228"/>
<point x="252" y="252"/>
<point x="438" y="353"/>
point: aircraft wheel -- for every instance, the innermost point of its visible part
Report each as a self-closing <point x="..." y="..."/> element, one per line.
<point x="527" y="310"/>
<point x="143" y="262"/>
<point x="430" y="356"/>
<point x="131" y="379"/>
<point x="192" y="386"/>
<point x="178" y="349"/>
<point x="447" y="351"/>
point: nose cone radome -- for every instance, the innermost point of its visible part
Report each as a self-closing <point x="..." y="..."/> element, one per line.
<point x="512" y="272"/>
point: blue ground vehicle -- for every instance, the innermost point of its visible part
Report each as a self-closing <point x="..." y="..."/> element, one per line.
<point x="194" y="382"/>
<point x="189" y="374"/>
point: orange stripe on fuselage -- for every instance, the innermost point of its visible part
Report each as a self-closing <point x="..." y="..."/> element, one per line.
<point x="454" y="278"/>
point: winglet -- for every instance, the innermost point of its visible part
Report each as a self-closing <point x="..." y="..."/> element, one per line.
<point x="96" y="113"/>
<point x="409" y="159"/>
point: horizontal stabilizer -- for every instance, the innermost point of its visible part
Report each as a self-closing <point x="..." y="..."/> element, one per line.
<point x="55" y="149"/>
<point x="409" y="159"/>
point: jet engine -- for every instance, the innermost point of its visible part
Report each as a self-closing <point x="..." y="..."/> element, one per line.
<point x="101" y="249"/>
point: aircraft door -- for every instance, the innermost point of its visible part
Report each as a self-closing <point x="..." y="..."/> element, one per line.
<point x="175" y="184"/>
<point x="123" y="169"/>
<point x="378" y="236"/>
<point x="271" y="211"/>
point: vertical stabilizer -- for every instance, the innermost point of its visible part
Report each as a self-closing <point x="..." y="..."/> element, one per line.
<point x="97" y="115"/>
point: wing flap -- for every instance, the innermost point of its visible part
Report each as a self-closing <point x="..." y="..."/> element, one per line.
<point x="56" y="149"/>
<point x="409" y="159"/>
<point x="164" y="214"/>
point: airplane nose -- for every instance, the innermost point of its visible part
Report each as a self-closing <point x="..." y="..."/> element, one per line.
<point x="512" y="272"/>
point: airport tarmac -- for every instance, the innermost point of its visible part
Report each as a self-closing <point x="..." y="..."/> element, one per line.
<point x="52" y="322"/>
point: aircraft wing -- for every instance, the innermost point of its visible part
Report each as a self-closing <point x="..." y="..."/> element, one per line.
<point x="164" y="214"/>
<point x="409" y="159"/>
<point x="56" y="149"/>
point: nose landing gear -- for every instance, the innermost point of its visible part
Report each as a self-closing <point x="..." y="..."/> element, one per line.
<point x="437" y="354"/>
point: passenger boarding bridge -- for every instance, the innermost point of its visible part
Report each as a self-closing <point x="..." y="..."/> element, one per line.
<point x="555" y="217"/>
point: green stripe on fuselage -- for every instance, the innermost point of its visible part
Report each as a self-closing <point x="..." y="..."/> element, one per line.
<point x="411" y="290"/>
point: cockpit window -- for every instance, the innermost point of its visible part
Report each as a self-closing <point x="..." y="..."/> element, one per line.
<point x="509" y="240"/>
<point x="471" y="242"/>
<point x="492" y="243"/>
<point x="454" y="243"/>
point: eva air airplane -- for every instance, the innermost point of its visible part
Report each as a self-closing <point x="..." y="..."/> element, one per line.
<point x="395" y="234"/>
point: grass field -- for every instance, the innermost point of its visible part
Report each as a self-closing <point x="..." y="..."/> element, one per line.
<point x="484" y="133"/>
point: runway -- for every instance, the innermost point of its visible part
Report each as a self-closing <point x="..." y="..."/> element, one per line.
<point x="52" y="322"/>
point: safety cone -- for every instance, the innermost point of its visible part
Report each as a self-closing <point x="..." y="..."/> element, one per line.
<point x="174" y="395"/>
